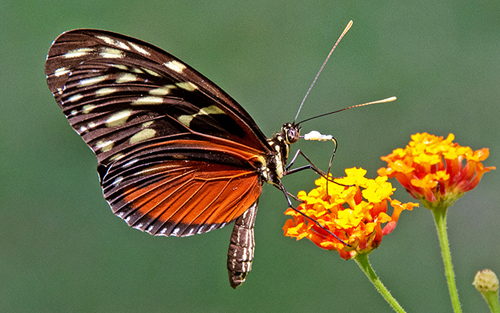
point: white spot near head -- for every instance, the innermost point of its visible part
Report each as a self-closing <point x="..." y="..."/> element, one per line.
<point x="91" y="125"/>
<point x="83" y="129"/>
<point x="105" y="91"/>
<point x="61" y="71"/>
<point x="162" y="91"/>
<point x="316" y="135"/>
<point x="75" y="98"/>
<point x="175" y="66"/>
<point x="125" y="78"/>
<point x="189" y="86"/>
<point x="87" y="108"/>
<point x="73" y="112"/>
<point x="104" y="145"/>
<point x="92" y="81"/>
<point x="119" y="118"/>
<point x="138" y="48"/>
<point x="78" y="53"/>
<point x="142" y="135"/>
<point x="148" y="101"/>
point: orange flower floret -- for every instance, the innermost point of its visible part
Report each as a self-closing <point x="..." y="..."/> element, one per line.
<point x="432" y="169"/>
<point x="354" y="211"/>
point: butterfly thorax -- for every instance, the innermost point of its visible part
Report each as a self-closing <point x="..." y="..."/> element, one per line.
<point x="280" y="143"/>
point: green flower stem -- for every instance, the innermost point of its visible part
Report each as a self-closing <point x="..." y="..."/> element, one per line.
<point x="440" y="219"/>
<point x="492" y="298"/>
<point x="364" y="264"/>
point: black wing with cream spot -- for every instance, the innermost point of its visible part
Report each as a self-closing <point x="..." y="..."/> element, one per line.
<point x="177" y="155"/>
<point x="120" y="93"/>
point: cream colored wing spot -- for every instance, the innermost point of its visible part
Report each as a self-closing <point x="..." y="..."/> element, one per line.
<point x="138" y="48"/>
<point x="162" y="91"/>
<point x="75" y="98"/>
<point x="111" y="53"/>
<point x="78" y="53"/>
<point x="186" y="119"/>
<point x="120" y="66"/>
<point x="113" y="42"/>
<point x="125" y="78"/>
<point x="92" y="81"/>
<point x="119" y="118"/>
<point x="147" y="124"/>
<point x="142" y="135"/>
<point x="61" y="71"/>
<point x="116" y="157"/>
<point x="213" y="109"/>
<point x="87" y="108"/>
<point x="189" y="86"/>
<point x="148" y="101"/>
<point x="151" y="72"/>
<point x="105" y="91"/>
<point x="175" y="66"/>
<point x="104" y="145"/>
<point x="73" y="112"/>
<point x="137" y="70"/>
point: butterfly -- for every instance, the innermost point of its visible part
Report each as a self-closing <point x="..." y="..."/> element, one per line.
<point x="177" y="156"/>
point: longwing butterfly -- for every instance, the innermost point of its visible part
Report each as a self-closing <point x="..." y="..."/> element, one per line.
<point x="177" y="156"/>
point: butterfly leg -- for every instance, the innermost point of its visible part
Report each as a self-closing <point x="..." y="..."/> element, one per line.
<point x="282" y="188"/>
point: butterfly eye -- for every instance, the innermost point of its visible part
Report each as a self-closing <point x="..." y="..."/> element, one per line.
<point x="292" y="135"/>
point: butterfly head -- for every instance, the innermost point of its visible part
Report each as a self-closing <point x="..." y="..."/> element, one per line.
<point x="291" y="132"/>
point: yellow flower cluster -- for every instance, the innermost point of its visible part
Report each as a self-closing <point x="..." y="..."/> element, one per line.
<point x="353" y="208"/>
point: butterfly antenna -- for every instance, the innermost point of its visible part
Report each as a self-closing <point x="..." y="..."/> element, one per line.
<point x="390" y="99"/>
<point x="322" y="66"/>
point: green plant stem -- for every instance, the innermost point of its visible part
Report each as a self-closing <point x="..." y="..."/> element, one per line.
<point x="491" y="298"/>
<point x="364" y="264"/>
<point x="440" y="219"/>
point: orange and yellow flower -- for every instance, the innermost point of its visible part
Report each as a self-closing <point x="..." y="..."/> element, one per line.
<point x="354" y="211"/>
<point x="432" y="169"/>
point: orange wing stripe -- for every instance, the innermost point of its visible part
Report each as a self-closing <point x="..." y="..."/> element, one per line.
<point x="188" y="197"/>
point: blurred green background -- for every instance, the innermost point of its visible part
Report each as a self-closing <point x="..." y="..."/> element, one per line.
<point x="61" y="248"/>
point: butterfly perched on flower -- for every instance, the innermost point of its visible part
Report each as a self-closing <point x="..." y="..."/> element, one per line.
<point x="177" y="156"/>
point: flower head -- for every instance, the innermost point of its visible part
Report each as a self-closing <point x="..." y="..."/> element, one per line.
<point x="354" y="209"/>
<point x="432" y="169"/>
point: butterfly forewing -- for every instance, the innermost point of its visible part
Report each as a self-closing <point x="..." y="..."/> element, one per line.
<point x="177" y="155"/>
<point x="112" y="88"/>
